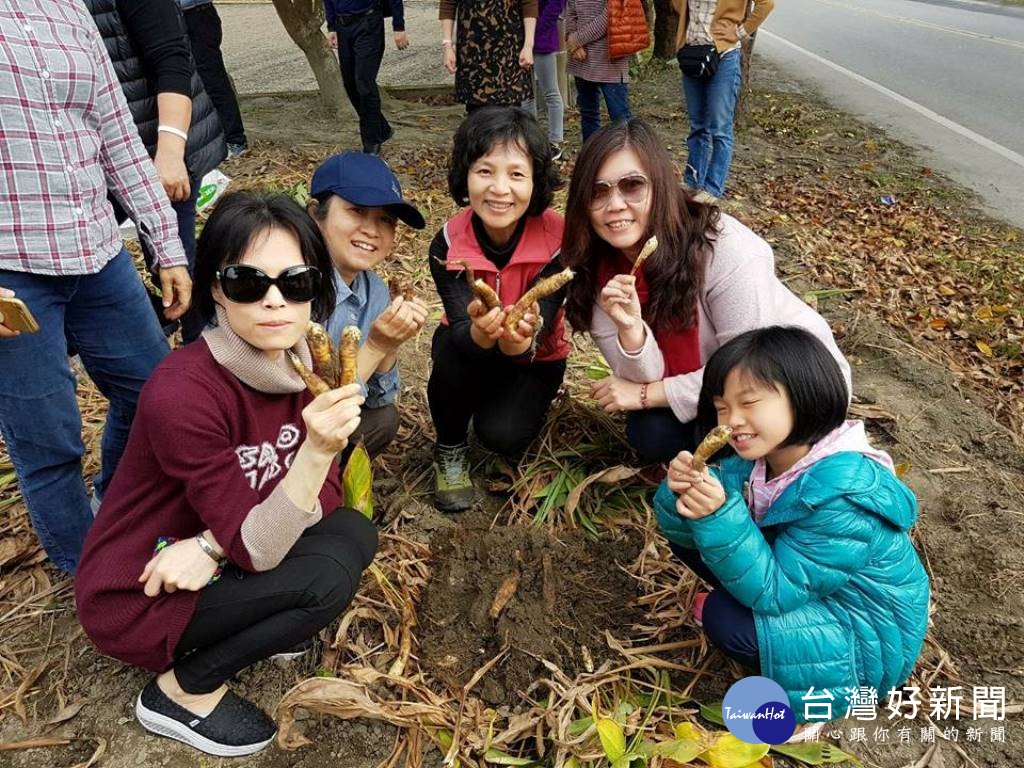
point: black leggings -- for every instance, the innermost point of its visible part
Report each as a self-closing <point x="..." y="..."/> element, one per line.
<point x="245" y="617"/>
<point x="507" y="401"/>
<point x="657" y="435"/>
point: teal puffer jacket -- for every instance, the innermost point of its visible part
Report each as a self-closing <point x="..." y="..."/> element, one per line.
<point x="838" y="593"/>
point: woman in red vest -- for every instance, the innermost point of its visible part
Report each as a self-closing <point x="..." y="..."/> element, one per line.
<point x="501" y="380"/>
<point x="709" y="280"/>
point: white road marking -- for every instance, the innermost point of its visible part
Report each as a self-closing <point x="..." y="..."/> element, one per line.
<point x="945" y="122"/>
<point x="926" y="24"/>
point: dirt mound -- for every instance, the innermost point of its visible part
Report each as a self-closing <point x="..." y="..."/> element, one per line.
<point x="567" y="590"/>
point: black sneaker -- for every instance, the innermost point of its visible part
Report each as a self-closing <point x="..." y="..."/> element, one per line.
<point x="235" y="727"/>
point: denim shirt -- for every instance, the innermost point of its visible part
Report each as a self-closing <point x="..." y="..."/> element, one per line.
<point x="360" y="305"/>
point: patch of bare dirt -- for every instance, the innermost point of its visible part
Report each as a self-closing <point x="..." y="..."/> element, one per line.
<point x="546" y="596"/>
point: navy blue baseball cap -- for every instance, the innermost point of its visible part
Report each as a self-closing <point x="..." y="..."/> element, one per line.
<point x="367" y="180"/>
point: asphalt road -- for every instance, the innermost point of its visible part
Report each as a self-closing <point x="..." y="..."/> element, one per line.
<point x="261" y="57"/>
<point x="944" y="75"/>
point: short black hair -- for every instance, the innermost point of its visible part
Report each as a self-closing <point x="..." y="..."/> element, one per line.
<point x="240" y="218"/>
<point x="789" y="358"/>
<point x="487" y="127"/>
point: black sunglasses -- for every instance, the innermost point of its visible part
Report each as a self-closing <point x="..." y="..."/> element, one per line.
<point x="245" y="284"/>
<point x="632" y="187"/>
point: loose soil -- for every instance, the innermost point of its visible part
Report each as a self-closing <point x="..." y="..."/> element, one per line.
<point x="966" y="469"/>
<point x="568" y="590"/>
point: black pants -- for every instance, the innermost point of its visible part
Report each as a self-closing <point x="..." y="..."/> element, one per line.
<point x="245" y="617"/>
<point x="377" y="428"/>
<point x="728" y="623"/>
<point x="205" y="35"/>
<point x="507" y="401"/>
<point x="360" y="50"/>
<point x="657" y="435"/>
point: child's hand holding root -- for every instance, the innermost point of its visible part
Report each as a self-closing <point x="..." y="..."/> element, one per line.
<point x="699" y="493"/>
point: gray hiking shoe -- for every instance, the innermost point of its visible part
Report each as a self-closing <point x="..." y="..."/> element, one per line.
<point x="453" y="487"/>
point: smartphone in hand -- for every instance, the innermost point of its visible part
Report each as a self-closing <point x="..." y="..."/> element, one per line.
<point x="17" y="316"/>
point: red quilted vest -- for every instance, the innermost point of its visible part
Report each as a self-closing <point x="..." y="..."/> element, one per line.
<point x="540" y="243"/>
<point x="627" y="28"/>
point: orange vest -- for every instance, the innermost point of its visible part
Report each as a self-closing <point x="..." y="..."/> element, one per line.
<point x="627" y="28"/>
<point x="541" y="242"/>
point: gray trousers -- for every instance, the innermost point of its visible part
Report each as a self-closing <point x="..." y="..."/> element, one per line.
<point x="546" y="67"/>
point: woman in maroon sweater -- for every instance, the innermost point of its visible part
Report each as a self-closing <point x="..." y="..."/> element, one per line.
<point x="216" y="545"/>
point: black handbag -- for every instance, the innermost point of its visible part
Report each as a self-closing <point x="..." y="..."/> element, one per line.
<point x="698" y="61"/>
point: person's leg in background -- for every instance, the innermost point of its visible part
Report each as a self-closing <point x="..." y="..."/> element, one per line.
<point x="588" y="99"/>
<point x="205" y="34"/>
<point x="110" y="321"/>
<point x="657" y="435"/>
<point x="546" y="67"/>
<point x="720" y="111"/>
<point x="40" y="421"/>
<point x="616" y="99"/>
<point x="698" y="141"/>
<point x="191" y="323"/>
<point x="368" y="48"/>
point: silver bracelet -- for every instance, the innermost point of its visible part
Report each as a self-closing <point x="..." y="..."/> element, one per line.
<point x="208" y="548"/>
<point x="173" y="131"/>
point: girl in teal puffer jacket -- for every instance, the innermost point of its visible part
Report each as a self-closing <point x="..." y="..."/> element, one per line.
<point x="803" y="533"/>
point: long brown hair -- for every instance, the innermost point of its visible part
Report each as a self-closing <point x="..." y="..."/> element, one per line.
<point x="685" y="231"/>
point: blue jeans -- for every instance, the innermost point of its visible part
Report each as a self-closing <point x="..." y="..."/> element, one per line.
<point x="191" y="323"/>
<point x="711" y="105"/>
<point x="588" y="97"/>
<point x="108" y="317"/>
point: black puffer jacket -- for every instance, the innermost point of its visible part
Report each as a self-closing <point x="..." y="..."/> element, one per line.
<point x="206" y="147"/>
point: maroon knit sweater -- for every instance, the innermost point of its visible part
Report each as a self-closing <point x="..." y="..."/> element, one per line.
<point x="206" y="451"/>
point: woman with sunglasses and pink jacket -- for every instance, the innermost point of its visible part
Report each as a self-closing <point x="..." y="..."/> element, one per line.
<point x="709" y="279"/>
<point x="220" y="541"/>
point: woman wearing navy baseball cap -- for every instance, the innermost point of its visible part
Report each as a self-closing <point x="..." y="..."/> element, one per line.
<point x="357" y="203"/>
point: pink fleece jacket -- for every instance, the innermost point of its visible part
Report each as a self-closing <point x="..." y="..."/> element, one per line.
<point x="741" y="292"/>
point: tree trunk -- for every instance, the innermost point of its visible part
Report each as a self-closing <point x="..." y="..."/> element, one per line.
<point x="666" y="20"/>
<point x="303" y="19"/>
<point x="748" y="53"/>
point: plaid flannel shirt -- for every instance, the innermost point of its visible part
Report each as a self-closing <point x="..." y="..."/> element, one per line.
<point x="698" y="29"/>
<point x="66" y="136"/>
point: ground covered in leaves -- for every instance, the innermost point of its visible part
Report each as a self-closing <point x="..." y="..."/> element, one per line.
<point x="508" y="629"/>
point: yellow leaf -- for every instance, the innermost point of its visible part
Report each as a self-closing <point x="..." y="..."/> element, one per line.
<point x="984" y="348"/>
<point x="902" y="468"/>
<point x="984" y="313"/>
<point x="688" y="730"/>
<point x="613" y="739"/>
<point x="945" y="290"/>
<point x="1001" y="309"/>
<point x="357" y="482"/>
<point x="730" y="752"/>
